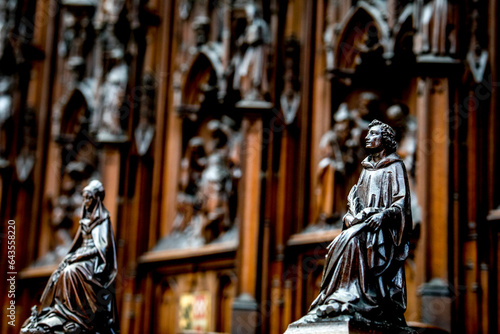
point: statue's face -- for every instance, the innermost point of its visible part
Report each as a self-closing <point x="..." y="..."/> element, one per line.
<point x="374" y="138"/>
<point x="87" y="200"/>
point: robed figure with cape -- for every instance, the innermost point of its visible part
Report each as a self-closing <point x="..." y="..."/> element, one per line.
<point x="79" y="296"/>
<point x="364" y="276"/>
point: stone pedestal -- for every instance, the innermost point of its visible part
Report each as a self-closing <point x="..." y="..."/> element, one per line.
<point x="343" y="325"/>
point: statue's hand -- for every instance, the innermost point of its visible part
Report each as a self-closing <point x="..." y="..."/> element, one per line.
<point x="73" y="258"/>
<point x="375" y="221"/>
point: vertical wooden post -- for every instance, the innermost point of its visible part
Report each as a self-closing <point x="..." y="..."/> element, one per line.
<point x="246" y="317"/>
<point x="432" y="172"/>
<point x="110" y="159"/>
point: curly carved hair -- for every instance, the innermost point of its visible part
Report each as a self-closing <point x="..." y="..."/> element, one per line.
<point x="388" y="135"/>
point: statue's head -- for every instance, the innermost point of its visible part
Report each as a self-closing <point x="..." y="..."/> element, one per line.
<point x="92" y="193"/>
<point x="381" y="137"/>
<point x="252" y="12"/>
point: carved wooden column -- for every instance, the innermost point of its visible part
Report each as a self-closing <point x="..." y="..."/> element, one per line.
<point x="246" y="317"/>
<point x="432" y="171"/>
<point x="110" y="170"/>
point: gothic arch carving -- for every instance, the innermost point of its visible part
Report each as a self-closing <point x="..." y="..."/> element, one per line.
<point x="202" y="80"/>
<point x="364" y="35"/>
<point x="74" y="107"/>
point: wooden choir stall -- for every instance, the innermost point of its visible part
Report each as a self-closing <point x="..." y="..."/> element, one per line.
<point x="227" y="135"/>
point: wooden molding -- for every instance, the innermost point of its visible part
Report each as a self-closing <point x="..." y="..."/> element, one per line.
<point x="37" y="272"/>
<point x="189" y="253"/>
<point x="301" y="239"/>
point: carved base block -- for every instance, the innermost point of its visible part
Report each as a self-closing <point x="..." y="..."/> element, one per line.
<point x="245" y="317"/>
<point x="343" y="325"/>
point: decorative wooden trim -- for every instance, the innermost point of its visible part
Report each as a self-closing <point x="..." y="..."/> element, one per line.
<point x="189" y="253"/>
<point x="37" y="272"/>
<point x="302" y="239"/>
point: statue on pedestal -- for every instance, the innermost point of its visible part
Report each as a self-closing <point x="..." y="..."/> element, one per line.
<point x="79" y="297"/>
<point x="363" y="279"/>
<point x="250" y="76"/>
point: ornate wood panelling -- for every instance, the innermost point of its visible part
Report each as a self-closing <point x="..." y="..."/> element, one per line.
<point x="227" y="134"/>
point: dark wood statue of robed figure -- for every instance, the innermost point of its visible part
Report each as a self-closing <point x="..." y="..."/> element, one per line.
<point x="363" y="279"/>
<point x="79" y="297"/>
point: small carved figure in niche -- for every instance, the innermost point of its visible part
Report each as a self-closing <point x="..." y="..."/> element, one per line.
<point x="370" y="49"/>
<point x="192" y="166"/>
<point x="437" y="28"/>
<point x="215" y="188"/>
<point x="335" y="167"/>
<point x="218" y="181"/>
<point x="290" y="98"/>
<point x="77" y="38"/>
<point x="61" y="225"/>
<point x="111" y="99"/>
<point x="25" y="160"/>
<point x="329" y="37"/>
<point x="7" y="22"/>
<point x="108" y="12"/>
<point x="79" y="297"/>
<point x="478" y="56"/>
<point x="145" y="130"/>
<point x="185" y="8"/>
<point x="207" y="195"/>
<point x="363" y="277"/>
<point x="5" y="115"/>
<point x="250" y="76"/>
<point x="112" y="72"/>
<point x="201" y="27"/>
<point x="405" y="125"/>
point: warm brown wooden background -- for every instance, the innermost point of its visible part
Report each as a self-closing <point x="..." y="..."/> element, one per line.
<point x="268" y="274"/>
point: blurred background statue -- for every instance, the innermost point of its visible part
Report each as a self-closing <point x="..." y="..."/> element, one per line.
<point x="251" y="70"/>
<point x="335" y="167"/>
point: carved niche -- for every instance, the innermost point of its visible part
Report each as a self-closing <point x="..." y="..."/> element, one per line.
<point x="342" y="150"/>
<point x="210" y="164"/>
<point x="437" y="23"/>
<point x="208" y="183"/>
<point x="362" y="41"/>
<point x="75" y="107"/>
<point x="25" y="160"/>
<point x="17" y="55"/>
<point x="290" y="97"/>
<point x="145" y="130"/>
<point x="251" y="59"/>
<point x="365" y="49"/>
<point x="71" y="125"/>
<point x="112" y="75"/>
<point x="6" y="112"/>
<point x="7" y="77"/>
<point x="477" y="55"/>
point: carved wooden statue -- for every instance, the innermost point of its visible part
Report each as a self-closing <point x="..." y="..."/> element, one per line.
<point x="111" y="97"/>
<point x="5" y="115"/>
<point x="363" y="278"/>
<point x="79" y="297"/>
<point x="251" y="70"/>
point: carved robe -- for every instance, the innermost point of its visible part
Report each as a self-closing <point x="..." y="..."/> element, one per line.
<point x="83" y="291"/>
<point x="364" y="269"/>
